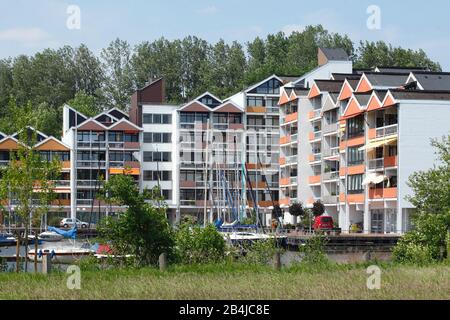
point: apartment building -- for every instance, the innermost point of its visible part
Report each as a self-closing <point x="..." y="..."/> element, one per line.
<point x="49" y="148"/>
<point x="100" y="147"/>
<point x="366" y="132"/>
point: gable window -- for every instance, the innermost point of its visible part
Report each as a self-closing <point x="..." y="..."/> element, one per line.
<point x="271" y="86"/>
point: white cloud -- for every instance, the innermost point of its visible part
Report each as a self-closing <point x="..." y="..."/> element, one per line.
<point x="24" y="36"/>
<point x="290" y="28"/>
<point x="209" y="10"/>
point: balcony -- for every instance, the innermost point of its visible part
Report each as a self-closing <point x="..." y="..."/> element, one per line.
<point x="329" y="176"/>
<point x="91" y="164"/>
<point x="315" y="157"/>
<point x="285" y="202"/>
<point x="291" y="160"/>
<point x="291" y="117"/>
<point x="294" y="138"/>
<point x="383" y="193"/>
<point x="314" y="180"/>
<point x="381" y="163"/>
<point x="315" y="114"/>
<point x="330" y="128"/>
<point x="61" y="183"/>
<point x="91" y="145"/>
<point x="331" y="152"/>
<point x="89" y="183"/>
<point x="282" y="161"/>
<point x="285" y="181"/>
<point x="131" y="145"/>
<point x="256" y="109"/>
<point x="116" y="145"/>
<point x="330" y="199"/>
<point x="285" y="139"/>
<point x="293" y="180"/>
<point x="314" y="136"/>
<point x="377" y="133"/>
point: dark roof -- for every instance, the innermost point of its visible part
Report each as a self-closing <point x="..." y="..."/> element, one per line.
<point x="343" y="76"/>
<point x="400" y="69"/>
<point x="287" y="79"/>
<point x="363" y="98"/>
<point x="433" y="80"/>
<point x="353" y="83"/>
<point x="329" y="85"/>
<point x="301" y="91"/>
<point x="387" y="79"/>
<point x="381" y="94"/>
<point x="361" y="70"/>
<point x="335" y="54"/>
<point x="334" y="96"/>
<point x="420" y="95"/>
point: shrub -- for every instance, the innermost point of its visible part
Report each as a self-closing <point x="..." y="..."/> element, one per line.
<point x="196" y="245"/>
<point x="260" y="252"/>
<point x="410" y="251"/>
<point x="314" y="250"/>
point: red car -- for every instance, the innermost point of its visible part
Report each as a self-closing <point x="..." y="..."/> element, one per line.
<point x="323" y="223"/>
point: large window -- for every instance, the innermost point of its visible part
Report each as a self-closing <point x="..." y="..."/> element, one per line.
<point x="157" y="175"/>
<point x="255" y="102"/>
<point x="355" y="156"/>
<point x="270" y="87"/>
<point x="131" y="137"/>
<point x="157" y="137"/>
<point x="354" y="184"/>
<point x="151" y="118"/>
<point x="157" y="156"/>
<point x="115" y="136"/>
<point x="355" y="126"/>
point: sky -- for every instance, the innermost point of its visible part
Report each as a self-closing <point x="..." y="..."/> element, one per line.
<point x="28" y="26"/>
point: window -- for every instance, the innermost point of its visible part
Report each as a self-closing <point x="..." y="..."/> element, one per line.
<point x="155" y="176"/>
<point x="187" y="117"/>
<point x="355" y="126"/>
<point x="84" y="136"/>
<point x="157" y="137"/>
<point x="255" y="102"/>
<point x="157" y="156"/>
<point x="115" y="136"/>
<point x="270" y="87"/>
<point x="131" y="137"/>
<point x="235" y="118"/>
<point x="149" y="118"/>
<point x="354" y="184"/>
<point x="255" y="121"/>
<point x="201" y="117"/>
<point x="220" y="118"/>
<point x="355" y="156"/>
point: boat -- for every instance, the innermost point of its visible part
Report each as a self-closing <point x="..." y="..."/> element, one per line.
<point x="62" y="255"/>
<point x="7" y="239"/>
<point x="50" y="236"/>
<point x="239" y="238"/>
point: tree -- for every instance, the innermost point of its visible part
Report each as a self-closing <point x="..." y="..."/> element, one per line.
<point x="85" y="104"/>
<point x="28" y="180"/>
<point x="431" y="197"/>
<point x="318" y="209"/>
<point x="118" y="85"/>
<point x="142" y="230"/>
<point x="297" y="210"/>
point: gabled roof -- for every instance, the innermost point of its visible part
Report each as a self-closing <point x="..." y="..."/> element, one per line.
<point x="376" y="100"/>
<point x="124" y="125"/>
<point x="343" y="76"/>
<point x="398" y="94"/>
<point x="195" y="106"/>
<point x="335" y="54"/>
<point x="321" y="86"/>
<point x="330" y="102"/>
<point x="436" y="81"/>
<point x="285" y="96"/>
<point x="9" y="143"/>
<point x="206" y="94"/>
<point x="363" y="98"/>
<point x="117" y="113"/>
<point x="229" y="107"/>
<point x="379" y="80"/>
<point x="105" y="113"/>
<point x="399" y="69"/>
<point x="353" y="108"/>
<point x="262" y="82"/>
<point x="92" y="125"/>
<point x="52" y="144"/>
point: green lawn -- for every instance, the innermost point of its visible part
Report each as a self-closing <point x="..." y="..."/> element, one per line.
<point x="233" y="282"/>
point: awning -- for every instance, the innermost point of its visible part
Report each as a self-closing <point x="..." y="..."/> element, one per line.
<point x="376" y="144"/>
<point x="374" y="178"/>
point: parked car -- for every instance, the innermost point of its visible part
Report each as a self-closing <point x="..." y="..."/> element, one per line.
<point x="69" y="223"/>
<point x="325" y="223"/>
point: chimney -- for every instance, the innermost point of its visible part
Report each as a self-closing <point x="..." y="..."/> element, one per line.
<point x="321" y="57"/>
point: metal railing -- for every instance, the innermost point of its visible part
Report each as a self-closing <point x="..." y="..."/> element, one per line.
<point x="317" y="135"/>
<point x="331" y="152"/>
<point x="333" y="175"/>
<point x="116" y="145"/>
<point x="293" y="180"/>
<point x="316" y="114"/>
<point x="330" y="199"/>
<point x="291" y="159"/>
<point x="387" y="131"/>
<point x="91" y="164"/>
<point x="317" y="157"/>
<point x="89" y="183"/>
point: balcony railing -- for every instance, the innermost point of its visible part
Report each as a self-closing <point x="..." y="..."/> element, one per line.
<point x="315" y="114"/>
<point x="387" y="131"/>
<point x="293" y="180"/>
<point x="315" y="135"/>
<point x="292" y="159"/>
<point x="331" y="152"/>
<point x="91" y="164"/>
<point x="116" y="145"/>
<point x="376" y="164"/>
<point x="330" y="199"/>
<point x="89" y="183"/>
<point x="334" y="175"/>
<point x="330" y="128"/>
<point x="315" y="157"/>
<point x="61" y="183"/>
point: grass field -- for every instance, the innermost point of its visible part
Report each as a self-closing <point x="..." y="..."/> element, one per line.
<point x="233" y="282"/>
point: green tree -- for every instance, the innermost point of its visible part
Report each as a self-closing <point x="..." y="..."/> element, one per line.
<point x="142" y="230"/>
<point x="318" y="209"/>
<point x="197" y="245"/>
<point x="28" y="180"/>
<point x="431" y="197"/>
<point x="118" y="85"/>
<point x="85" y="104"/>
<point x="297" y="210"/>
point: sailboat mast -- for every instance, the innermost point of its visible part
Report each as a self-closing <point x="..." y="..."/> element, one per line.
<point x="206" y="175"/>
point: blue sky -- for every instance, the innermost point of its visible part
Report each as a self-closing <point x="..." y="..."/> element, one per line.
<point x="27" y="26"/>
